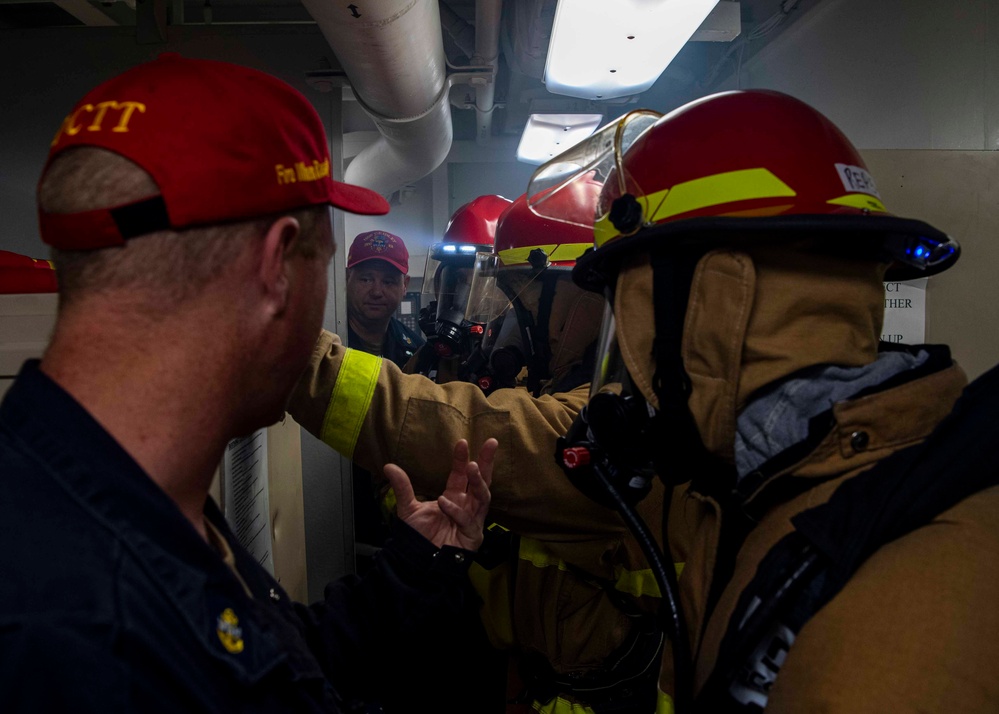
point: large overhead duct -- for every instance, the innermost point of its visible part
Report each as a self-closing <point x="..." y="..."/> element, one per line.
<point x="393" y="54"/>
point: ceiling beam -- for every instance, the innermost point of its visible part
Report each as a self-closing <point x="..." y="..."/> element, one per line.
<point x="86" y="13"/>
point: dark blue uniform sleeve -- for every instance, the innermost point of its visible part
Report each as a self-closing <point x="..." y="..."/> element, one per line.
<point x="47" y="667"/>
<point x="380" y="635"/>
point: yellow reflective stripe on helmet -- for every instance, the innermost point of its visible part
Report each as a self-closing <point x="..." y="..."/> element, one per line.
<point x="556" y="252"/>
<point x="604" y="230"/>
<point x="568" y="251"/>
<point x="860" y="200"/>
<point x="664" y="703"/>
<point x="352" y="393"/>
<point x="728" y="187"/>
<point x="518" y="256"/>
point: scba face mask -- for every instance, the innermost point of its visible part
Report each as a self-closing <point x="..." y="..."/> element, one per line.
<point x="444" y="322"/>
<point x="502" y="355"/>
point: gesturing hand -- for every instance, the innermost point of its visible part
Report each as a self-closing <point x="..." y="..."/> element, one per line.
<point x="458" y="515"/>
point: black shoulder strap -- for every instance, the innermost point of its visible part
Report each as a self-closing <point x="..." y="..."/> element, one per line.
<point x="807" y="568"/>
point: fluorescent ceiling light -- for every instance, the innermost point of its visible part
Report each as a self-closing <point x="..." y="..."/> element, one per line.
<point x="602" y="50"/>
<point x="548" y="135"/>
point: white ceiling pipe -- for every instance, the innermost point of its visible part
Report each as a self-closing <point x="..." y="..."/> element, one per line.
<point x="487" y="32"/>
<point x="393" y="54"/>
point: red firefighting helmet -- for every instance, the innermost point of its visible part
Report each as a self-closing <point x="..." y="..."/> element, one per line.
<point x="521" y="231"/>
<point x="526" y="283"/>
<point x="752" y="164"/>
<point x="475" y="222"/>
<point x="528" y="243"/>
<point x="471" y="230"/>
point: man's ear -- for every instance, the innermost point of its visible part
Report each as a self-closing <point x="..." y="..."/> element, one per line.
<point x="278" y="244"/>
<point x="405" y="282"/>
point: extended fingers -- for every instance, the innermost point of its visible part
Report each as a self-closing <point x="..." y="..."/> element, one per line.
<point x="487" y="456"/>
<point x="477" y="488"/>
<point x="399" y="480"/>
<point x="459" y="460"/>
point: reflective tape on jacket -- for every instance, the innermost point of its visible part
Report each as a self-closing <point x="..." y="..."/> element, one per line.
<point x="351" y="398"/>
<point x="558" y="705"/>
<point x="664" y="703"/>
<point x="633" y="582"/>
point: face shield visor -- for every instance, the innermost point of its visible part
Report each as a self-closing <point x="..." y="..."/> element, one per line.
<point x="444" y="320"/>
<point x="609" y="372"/>
<point x="500" y="298"/>
<point x="496" y="285"/>
<point x="597" y="159"/>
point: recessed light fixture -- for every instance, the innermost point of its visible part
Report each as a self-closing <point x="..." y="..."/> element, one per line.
<point x="604" y="50"/>
<point x="548" y="135"/>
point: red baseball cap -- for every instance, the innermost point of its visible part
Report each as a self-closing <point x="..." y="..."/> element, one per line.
<point x="222" y="142"/>
<point x="379" y="245"/>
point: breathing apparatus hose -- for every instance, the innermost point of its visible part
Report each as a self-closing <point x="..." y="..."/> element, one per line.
<point x="670" y="614"/>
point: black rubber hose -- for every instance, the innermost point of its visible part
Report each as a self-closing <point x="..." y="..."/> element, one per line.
<point x="665" y="574"/>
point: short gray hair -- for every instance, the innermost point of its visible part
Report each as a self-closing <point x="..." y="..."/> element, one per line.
<point x="175" y="265"/>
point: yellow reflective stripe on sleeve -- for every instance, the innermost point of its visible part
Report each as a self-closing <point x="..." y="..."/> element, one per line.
<point x="727" y="187"/>
<point x="664" y="703"/>
<point x="860" y="200"/>
<point x="352" y="393"/>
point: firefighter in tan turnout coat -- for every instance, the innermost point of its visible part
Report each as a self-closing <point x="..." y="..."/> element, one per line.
<point x="566" y="591"/>
<point x="837" y="515"/>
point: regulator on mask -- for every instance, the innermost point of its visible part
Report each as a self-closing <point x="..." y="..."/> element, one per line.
<point x="611" y="441"/>
<point x="500" y="358"/>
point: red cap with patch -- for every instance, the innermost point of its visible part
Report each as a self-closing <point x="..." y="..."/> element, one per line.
<point x="379" y="245"/>
<point x="222" y="142"/>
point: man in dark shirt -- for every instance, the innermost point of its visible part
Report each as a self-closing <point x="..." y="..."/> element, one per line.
<point x="377" y="279"/>
<point x="188" y="205"/>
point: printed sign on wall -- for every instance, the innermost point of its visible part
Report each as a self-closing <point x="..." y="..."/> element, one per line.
<point x="245" y="495"/>
<point x="905" y="312"/>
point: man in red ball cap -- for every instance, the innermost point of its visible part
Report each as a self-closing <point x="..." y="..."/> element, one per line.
<point x="188" y="206"/>
<point x="377" y="279"/>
